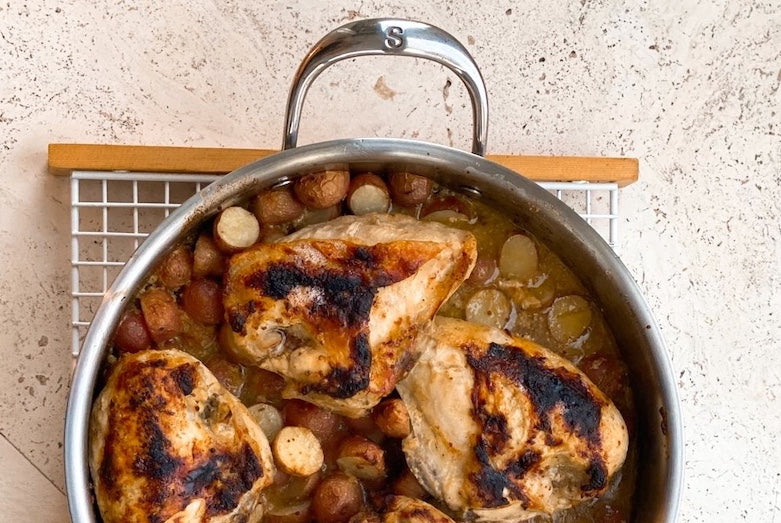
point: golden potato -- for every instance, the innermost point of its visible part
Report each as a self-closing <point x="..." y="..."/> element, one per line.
<point x="162" y="315"/>
<point x="368" y="193"/>
<point x="392" y="418"/>
<point x="323" y="189"/>
<point x="362" y="458"/>
<point x="277" y="206"/>
<point x="235" y="228"/>
<point x="297" y="451"/>
<point x="337" y="498"/>
<point x="409" y="189"/>
<point x="177" y="268"/>
<point x="207" y="258"/>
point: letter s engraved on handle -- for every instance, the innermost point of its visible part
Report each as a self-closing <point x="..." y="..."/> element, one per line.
<point x="394" y="38"/>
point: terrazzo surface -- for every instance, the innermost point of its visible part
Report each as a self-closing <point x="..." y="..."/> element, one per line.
<point x="690" y="88"/>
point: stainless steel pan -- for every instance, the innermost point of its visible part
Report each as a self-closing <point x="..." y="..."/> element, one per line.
<point x="659" y="428"/>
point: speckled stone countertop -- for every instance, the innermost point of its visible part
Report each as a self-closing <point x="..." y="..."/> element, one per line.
<point x="691" y="88"/>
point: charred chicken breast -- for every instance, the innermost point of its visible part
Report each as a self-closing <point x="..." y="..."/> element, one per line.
<point x="503" y="429"/>
<point x="169" y="443"/>
<point x="335" y="308"/>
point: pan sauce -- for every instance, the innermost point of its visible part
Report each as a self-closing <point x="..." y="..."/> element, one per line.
<point x="518" y="285"/>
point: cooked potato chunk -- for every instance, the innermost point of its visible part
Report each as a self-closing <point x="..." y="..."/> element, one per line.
<point x="362" y="458"/>
<point x="323" y="423"/>
<point x="518" y="259"/>
<point x="161" y="313"/>
<point x="489" y="307"/>
<point x="337" y="499"/>
<point x="177" y="268"/>
<point x="277" y="206"/>
<point x="409" y="189"/>
<point x="297" y="451"/>
<point x="235" y="229"/>
<point x="207" y="258"/>
<point x="408" y="485"/>
<point x="367" y="194"/>
<point x="132" y="334"/>
<point x="202" y="300"/>
<point x="392" y="418"/>
<point x="323" y="189"/>
<point x="268" y="417"/>
<point x="568" y="318"/>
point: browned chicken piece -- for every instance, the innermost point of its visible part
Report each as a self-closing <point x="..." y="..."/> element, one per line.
<point x="401" y="509"/>
<point x="503" y="429"/>
<point x="169" y="443"/>
<point x="335" y="308"/>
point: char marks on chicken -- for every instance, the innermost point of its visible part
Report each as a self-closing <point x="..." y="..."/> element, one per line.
<point x="169" y="443"/>
<point x="336" y="308"/>
<point x="505" y="429"/>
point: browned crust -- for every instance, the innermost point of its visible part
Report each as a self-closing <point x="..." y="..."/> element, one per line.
<point x="137" y="451"/>
<point x="549" y="389"/>
<point x="342" y="297"/>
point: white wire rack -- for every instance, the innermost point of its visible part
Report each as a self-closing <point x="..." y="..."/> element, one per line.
<point x="112" y="212"/>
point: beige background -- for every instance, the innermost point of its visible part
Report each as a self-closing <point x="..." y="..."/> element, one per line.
<point x="691" y="88"/>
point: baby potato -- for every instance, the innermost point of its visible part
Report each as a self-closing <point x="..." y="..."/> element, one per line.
<point x="518" y="259"/>
<point x="177" y="268"/>
<point x="323" y="423"/>
<point x="207" y="258"/>
<point x="337" y="498"/>
<point x="276" y="206"/>
<point x="162" y="315"/>
<point x="569" y="317"/>
<point x="202" y="300"/>
<point x="230" y="375"/>
<point x="268" y="417"/>
<point x="392" y="418"/>
<point x="235" y="229"/>
<point x="297" y="451"/>
<point x="132" y="334"/>
<point x="362" y="458"/>
<point x="409" y="189"/>
<point x="489" y="307"/>
<point x="323" y="189"/>
<point x="368" y="193"/>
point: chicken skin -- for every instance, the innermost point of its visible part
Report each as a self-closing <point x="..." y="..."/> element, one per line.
<point x="169" y="444"/>
<point x="335" y="308"/>
<point x="503" y="429"/>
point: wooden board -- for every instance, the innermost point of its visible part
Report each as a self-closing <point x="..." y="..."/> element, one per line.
<point x="64" y="158"/>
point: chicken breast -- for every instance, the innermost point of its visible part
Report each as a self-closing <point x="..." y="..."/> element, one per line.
<point x="335" y="308"/>
<point x="503" y="429"/>
<point x="169" y="443"/>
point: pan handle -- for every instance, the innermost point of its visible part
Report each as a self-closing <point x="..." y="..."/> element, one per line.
<point x="389" y="36"/>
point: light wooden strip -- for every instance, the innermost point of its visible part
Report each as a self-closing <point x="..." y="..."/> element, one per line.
<point x="64" y="158"/>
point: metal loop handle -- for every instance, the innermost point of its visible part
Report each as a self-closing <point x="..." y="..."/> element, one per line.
<point x="388" y="36"/>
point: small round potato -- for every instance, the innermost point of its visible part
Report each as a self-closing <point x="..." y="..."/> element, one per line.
<point x="268" y="417"/>
<point x="337" y="499"/>
<point x="362" y="458"/>
<point x="235" y="229"/>
<point x="409" y="189"/>
<point x="132" y="334"/>
<point x="297" y="451"/>
<point x="323" y="423"/>
<point x="484" y="271"/>
<point x="202" y="300"/>
<point x="162" y="315"/>
<point x="207" y="258"/>
<point x="277" y="206"/>
<point x="392" y="418"/>
<point x="367" y="194"/>
<point x="177" y="268"/>
<point x="323" y="189"/>
<point x="489" y="307"/>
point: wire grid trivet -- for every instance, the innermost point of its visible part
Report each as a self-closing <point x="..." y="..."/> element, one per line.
<point x="112" y="212"/>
